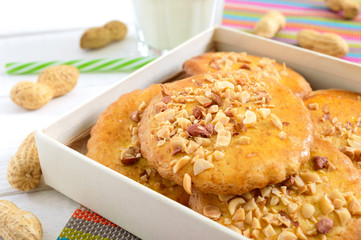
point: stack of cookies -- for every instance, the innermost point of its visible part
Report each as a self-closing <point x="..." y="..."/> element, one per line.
<point x="245" y="142"/>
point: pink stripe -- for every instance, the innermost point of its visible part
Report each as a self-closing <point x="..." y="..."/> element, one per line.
<point x="261" y="10"/>
<point x="353" y="59"/>
<point x="269" y="5"/>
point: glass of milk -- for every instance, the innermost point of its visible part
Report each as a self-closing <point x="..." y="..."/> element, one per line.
<point x="164" y="24"/>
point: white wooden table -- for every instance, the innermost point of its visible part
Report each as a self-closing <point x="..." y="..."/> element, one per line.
<point x="57" y="39"/>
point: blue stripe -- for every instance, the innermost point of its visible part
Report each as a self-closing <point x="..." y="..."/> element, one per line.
<point x="335" y="24"/>
<point x="60" y="238"/>
<point x="287" y="3"/>
<point x="358" y="55"/>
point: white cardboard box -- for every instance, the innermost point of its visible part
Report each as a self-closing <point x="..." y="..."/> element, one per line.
<point x="129" y="204"/>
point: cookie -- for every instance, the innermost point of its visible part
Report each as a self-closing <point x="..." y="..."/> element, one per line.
<point x="226" y="133"/>
<point x="321" y="201"/>
<point x="338" y="93"/>
<point x="337" y="118"/>
<point x="231" y="61"/>
<point x="114" y="143"/>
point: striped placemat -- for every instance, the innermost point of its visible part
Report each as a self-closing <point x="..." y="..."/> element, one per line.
<point x="241" y="14"/>
<point x="300" y="14"/>
<point x="86" y="224"/>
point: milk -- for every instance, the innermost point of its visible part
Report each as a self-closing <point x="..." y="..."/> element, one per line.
<point x="164" y="24"/>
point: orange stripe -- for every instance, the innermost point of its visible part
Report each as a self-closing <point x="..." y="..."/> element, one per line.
<point x="92" y="217"/>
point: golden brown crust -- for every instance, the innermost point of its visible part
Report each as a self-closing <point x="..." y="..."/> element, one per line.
<point x="244" y="166"/>
<point x="337" y="93"/>
<point x="345" y="179"/>
<point x="112" y="134"/>
<point x="230" y="61"/>
<point x="336" y="117"/>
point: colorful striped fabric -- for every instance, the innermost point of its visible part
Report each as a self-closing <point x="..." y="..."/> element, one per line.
<point x="300" y="14"/>
<point x="86" y="224"/>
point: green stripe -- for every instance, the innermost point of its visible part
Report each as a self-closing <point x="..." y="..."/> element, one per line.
<point x="125" y="64"/>
<point x="73" y="234"/>
<point x="105" y="64"/>
<point x="10" y="64"/>
<point x="20" y="67"/>
<point x="89" y="63"/>
<point x="141" y="65"/>
<point x="71" y="62"/>
<point x="44" y="65"/>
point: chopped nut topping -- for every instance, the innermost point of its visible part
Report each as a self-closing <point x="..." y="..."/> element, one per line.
<point x="212" y="212"/>
<point x="240" y="127"/>
<point x="319" y="162"/>
<point x="274" y="201"/>
<point x="276" y="121"/>
<point x="250" y="205"/>
<point x="355" y="207"/>
<point x="292" y="207"/>
<point x="250" y="118"/>
<point x="196" y="130"/>
<point x="248" y="218"/>
<point x="216" y="99"/>
<point x="256" y="224"/>
<point x="160" y="107"/>
<point x="201" y="165"/>
<point x="284" y="214"/>
<point x="336" y="195"/>
<point x="142" y="106"/>
<point x="310" y="177"/>
<point x="300" y="234"/>
<point x="187" y="183"/>
<point x="290" y="180"/>
<point x="204" y="101"/>
<point x="239" y="215"/>
<point x="218" y="155"/>
<point x="222" y="85"/>
<point x="286" y="235"/>
<point x="223" y="138"/>
<point x="198" y="112"/>
<point x="313" y="106"/>
<point x="324" y="226"/>
<point x="234" y="204"/>
<point x="307" y="210"/>
<point x="244" y="140"/>
<point x="221" y="117"/>
<point x="129" y="160"/>
<point x="264" y="112"/>
<point x="210" y="128"/>
<point x="282" y="135"/>
<point x="344" y="216"/>
<point x="135" y="116"/>
<point x="268" y="231"/>
<point x="225" y="197"/>
<point x="178" y="144"/>
<point x="245" y="97"/>
<point x="213" y="109"/>
<point x="181" y="163"/>
<point x="165" y="116"/>
<point x="326" y="205"/>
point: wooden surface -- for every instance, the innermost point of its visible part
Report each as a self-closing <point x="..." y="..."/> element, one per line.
<point x="51" y="207"/>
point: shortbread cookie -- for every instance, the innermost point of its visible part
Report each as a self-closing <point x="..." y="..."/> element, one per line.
<point x="231" y="61"/>
<point x="114" y="143"/>
<point x="337" y="118"/>
<point x="226" y="133"/>
<point x="338" y="93"/>
<point x="321" y="201"/>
